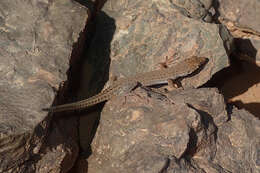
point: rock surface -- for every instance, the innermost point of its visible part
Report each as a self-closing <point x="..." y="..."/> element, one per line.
<point x="196" y="9"/>
<point x="148" y="133"/>
<point x="190" y="130"/>
<point x="238" y="143"/>
<point x="36" y="42"/>
<point x="242" y="18"/>
<point x="135" y="37"/>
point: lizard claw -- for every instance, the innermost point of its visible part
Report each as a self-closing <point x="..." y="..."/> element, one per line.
<point x="46" y="109"/>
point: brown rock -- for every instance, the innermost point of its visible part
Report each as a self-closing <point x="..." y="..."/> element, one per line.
<point x="239" y="143"/>
<point x="204" y="99"/>
<point x="137" y="36"/>
<point x="194" y="8"/>
<point x="148" y="133"/>
<point x="127" y="43"/>
<point x="143" y="133"/>
<point x="234" y="10"/>
<point x="36" y="42"/>
<point x="241" y="17"/>
<point x="182" y="131"/>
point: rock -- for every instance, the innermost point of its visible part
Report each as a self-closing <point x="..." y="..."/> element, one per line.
<point x="137" y="36"/>
<point x="203" y="100"/>
<point x="36" y="42"/>
<point x="127" y="43"/>
<point x="238" y="143"/>
<point x="148" y="133"/>
<point x="142" y="134"/>
<point x="194" y="8"/>
<point x="235" y="11"/>
<point x="244" y="25"/>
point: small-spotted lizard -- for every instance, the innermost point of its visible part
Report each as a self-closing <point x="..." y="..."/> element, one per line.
<point x="125" y="85"/>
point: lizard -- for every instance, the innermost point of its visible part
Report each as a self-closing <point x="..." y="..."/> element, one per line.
<point x="125" y="85"/>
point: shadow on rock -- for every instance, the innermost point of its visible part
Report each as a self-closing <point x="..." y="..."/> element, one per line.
<point x="242" y="75"/>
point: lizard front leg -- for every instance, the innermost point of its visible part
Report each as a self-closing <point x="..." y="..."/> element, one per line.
<point x="126" y="89"/>
<point x="172" y="84"/>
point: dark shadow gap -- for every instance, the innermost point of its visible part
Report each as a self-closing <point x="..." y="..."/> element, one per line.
<point x="93" y="45"/>
<point x="97" y="58"/>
